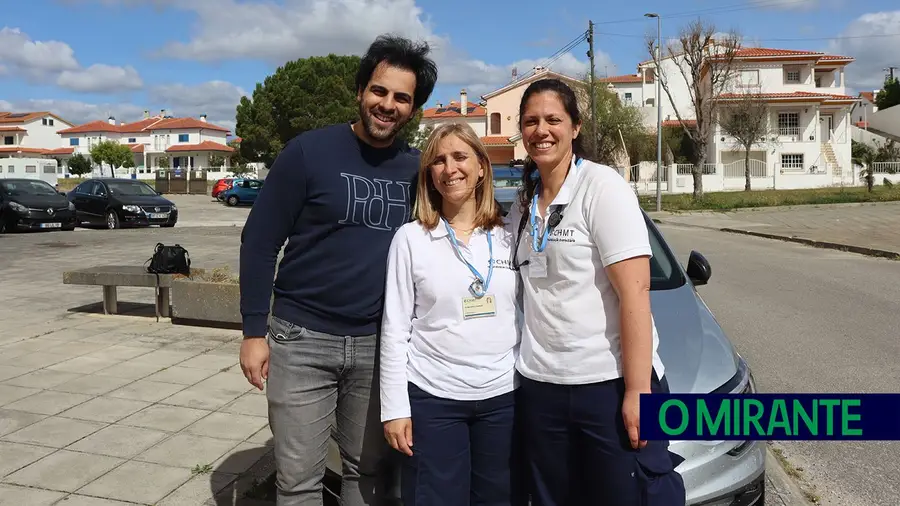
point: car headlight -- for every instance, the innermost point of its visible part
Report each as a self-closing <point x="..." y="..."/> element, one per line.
<point x="71" y="206"/>
<point x="133" y="209"/>
<point x="742" y="383"/>
<point x="174" y="207"/>
<point x="17" y="207"/>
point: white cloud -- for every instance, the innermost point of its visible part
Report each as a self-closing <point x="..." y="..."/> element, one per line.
<point x="77" y="112"/>
<point x="101" y="78"/>
<point x="54" y="61"/>
<point x="872" y="53"/>
<point x="217" y="99"/>
<point x="279" y="32"/>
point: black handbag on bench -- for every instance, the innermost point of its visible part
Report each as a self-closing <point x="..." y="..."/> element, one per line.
<point x="168" y="260"/>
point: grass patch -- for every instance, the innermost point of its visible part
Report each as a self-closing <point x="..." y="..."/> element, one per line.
<point x="217" y="275"/>
<point x="724" y="201"/>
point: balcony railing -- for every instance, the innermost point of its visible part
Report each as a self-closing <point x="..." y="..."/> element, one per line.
<point x="789" y="131"/>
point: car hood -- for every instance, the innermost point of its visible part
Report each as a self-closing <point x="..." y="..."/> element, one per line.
<point x="143" y="200"/>
<point x="697" y="356"/>
<point x="41" y="201"/>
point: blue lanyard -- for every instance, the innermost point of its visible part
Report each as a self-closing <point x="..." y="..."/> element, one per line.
<point x="479" y="287"/>
<point x="535" y="246"/>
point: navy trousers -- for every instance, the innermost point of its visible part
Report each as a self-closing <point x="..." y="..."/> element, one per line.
<point x="464" y="452"/>
<point x="578" y="451"/>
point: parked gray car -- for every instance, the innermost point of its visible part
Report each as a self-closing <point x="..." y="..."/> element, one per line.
<point x="699" y="358"/>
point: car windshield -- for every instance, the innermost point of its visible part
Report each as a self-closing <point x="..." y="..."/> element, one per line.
<point x="130" y="188"/>
<point x="22" y="188"/>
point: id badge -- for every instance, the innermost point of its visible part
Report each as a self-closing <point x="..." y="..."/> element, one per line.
<point x="537" y="266"/>
<point x="475" y="307"/>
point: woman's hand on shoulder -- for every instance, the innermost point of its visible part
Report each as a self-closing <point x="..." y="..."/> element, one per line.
<point x="399" y="435"/>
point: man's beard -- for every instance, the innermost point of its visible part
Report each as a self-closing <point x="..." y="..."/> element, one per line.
<point x="376" y="132"/>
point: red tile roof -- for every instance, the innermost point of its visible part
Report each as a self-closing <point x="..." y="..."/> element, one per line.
<point x="21" y="149"/>
<point x="793" y="96"/>
<point x="454" y="110"/>
<point x="203" y="146"/>
<point x="631" y="78"/>
<point x="144" y="125"/>
<point x="676" y="123"/>
<point x="868" y="95"/>
<point x="60" y="151"/>
<point x="12" y="129"/>
<point x="136" y="148"/>
<point x="496" y="140"/>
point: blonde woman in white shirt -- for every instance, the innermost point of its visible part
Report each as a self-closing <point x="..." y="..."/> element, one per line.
<point x="449" y="338"/>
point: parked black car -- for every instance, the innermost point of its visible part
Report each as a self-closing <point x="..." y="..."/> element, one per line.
<point x="32" y="204"/>
<point x="118" y="203"/>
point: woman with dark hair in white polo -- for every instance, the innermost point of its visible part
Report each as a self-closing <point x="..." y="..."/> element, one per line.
<point x="589" y="344"/>
<point x="449" y="338"/>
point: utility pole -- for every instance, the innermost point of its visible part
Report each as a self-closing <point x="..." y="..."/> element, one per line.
<point x="891" y="70"/>
<point x="658" y="103"/>
<point x="590" y="55"/>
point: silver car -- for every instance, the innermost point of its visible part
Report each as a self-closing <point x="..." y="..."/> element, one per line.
<point x="699" y="358"/>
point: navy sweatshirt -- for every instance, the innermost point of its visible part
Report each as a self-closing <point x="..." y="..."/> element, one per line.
<point x="337" y="201"/>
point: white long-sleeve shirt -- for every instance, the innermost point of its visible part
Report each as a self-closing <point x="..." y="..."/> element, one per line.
<point x="425" y="338"/>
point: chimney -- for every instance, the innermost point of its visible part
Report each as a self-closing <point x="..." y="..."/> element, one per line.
<point x="439" y="105"/>
<point x="203" y="118"/>
<point x="162" y="112"/>
<point x="463" y="102"/>
<point x="112" y="120"/>
<point x="146" y="114"/>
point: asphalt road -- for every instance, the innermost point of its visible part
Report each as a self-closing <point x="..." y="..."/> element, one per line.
<point x="811" y="320"/>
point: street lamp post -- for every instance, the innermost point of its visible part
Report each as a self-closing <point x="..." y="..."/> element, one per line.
<point x="658" y="112"/>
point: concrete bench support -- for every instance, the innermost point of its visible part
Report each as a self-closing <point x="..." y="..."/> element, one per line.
<point x="110" y="277"/>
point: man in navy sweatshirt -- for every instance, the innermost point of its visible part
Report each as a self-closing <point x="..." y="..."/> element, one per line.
<point x="336" y="195"/>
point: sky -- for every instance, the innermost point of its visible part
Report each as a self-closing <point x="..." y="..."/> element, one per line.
<point x="87" y="59"/>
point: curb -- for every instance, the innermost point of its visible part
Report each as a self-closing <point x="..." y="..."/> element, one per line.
<point x="861" y="250"/>
<point x="872" y="252"/>
<point x="782" y="485"/>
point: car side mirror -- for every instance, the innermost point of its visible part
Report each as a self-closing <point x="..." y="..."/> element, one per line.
<point x="698" y="269"/>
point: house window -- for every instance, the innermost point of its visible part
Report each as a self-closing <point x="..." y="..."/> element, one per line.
<point x="44" y="121"/>
<point x="132" y="140"/>
<point x="183" y="137"/>
<point x="50" y="121"/>
<point x="792" y="161"/>
<point x="789" y="123"/>
<point x="9" y="140"/>
<point x="495" y="123"/>
<point x="818" y="81"/>
<point x="628" y="97"/>
<point x="792" y="75"/>
<point x="650" y="75"/>
<point x="73" y="142"/>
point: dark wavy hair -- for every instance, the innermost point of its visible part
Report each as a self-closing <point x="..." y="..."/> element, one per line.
<point x="401" y="53"/>
<point x="570" y="104"/>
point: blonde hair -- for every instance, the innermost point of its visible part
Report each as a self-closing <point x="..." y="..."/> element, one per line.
<point x="427" y="209"/>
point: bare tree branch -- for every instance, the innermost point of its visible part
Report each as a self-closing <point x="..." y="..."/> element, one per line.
<point x="705" y="64"/>
<point x="745" y="118"/>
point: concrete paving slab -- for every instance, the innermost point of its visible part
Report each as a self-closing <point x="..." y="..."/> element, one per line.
<point x="187" y="450"/>
<point x="119" y="441"/>
<point x="139" y="482"/>
<point x="64" y="470"/>
<point x="17" y="456"/>
<point x="11" y="495"/>
<point x="54" y="431"/>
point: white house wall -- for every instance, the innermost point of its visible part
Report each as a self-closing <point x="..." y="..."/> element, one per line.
<point x="43" y="136"/>
<point x="886" y="120"/>
<point x="678" y="88"/>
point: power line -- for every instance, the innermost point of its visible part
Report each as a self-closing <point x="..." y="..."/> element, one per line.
<point x="712" y="10"/>
<point x="559" y="54"/>
<point x="793" y="39"/>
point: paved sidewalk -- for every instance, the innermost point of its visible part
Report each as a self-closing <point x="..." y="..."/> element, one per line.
<point x="858" y="226"/>
<point x="127" y="410"/>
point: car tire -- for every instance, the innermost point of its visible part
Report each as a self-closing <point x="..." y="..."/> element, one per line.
<point x="4" y="226"/>
<point x="232" y="201"/>
<point x="112" y="220"/>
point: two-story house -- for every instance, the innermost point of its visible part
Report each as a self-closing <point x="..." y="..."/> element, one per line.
<point x="29" y="142"/>
<point x="808" y="139"/>
<point x="187" y="143"/>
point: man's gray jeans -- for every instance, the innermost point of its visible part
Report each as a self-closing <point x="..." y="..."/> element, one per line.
<point x="319" y="386"/>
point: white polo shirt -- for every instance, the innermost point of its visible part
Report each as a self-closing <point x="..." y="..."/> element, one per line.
<point x="425" y="338"/>
<point x="571" y="316"/>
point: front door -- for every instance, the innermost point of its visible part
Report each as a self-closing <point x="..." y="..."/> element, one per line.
<point x="827" y="124"/>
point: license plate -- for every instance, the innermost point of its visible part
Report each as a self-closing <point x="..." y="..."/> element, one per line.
<point x="159" y="216"/>
<point x="51" y="225"/>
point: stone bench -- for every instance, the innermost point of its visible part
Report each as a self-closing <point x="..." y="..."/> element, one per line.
<point x="110" y="277"/>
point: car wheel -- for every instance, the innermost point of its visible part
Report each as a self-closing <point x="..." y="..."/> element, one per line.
<point x="112" y="220"/>
<point x="232" y="201"/>
<point x="3" y="225"/>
